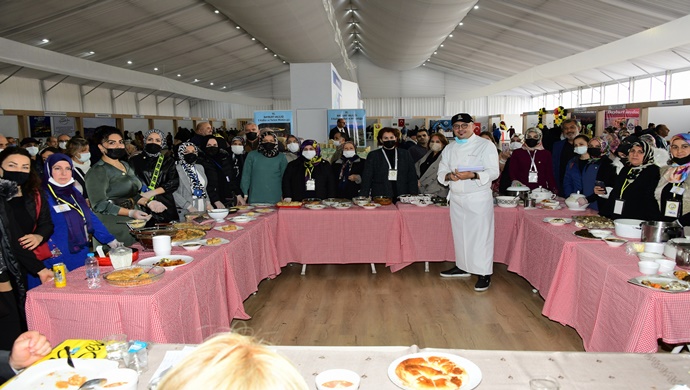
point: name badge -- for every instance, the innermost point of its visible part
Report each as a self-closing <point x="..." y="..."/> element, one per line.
<point x="618" y="206"/>
<point x="672" y="207"/>
<point x="392" y="174"/>
<point x="532" y="177"/>
<point x="678" y="190"/>
<point x="61" y="208"/>
<point x="311" y="185"/>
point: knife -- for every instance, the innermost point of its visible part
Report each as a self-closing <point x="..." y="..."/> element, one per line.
<point x="69" y="356"/>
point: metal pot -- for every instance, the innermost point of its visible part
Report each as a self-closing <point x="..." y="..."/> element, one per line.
<point x="657" y="231"/>
<point x="520" y="192"/>
<point x="683" y="256"/>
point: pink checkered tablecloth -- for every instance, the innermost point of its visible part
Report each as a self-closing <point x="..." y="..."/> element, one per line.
<point x="187" y="305"/>
<point x="331" y="236"/>
<point x="610" y="314"/>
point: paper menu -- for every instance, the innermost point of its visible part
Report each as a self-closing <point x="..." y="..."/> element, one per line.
<point x="475" y="168"/>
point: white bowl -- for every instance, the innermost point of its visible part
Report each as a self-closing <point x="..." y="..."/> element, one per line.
<point x="218" y="214"/>
<point x="241" y="219"/>
<point x="614" y="241"/>
<point x="507" y="201"/>
<point x="191" y="246"/>
<point x="628" y="228"/>
<point x="598" y="233"/>
<point x="649" y="256"/>
<point x="654" y="247"/>
<point x="665" y="266"/>
<point x="648" y="267"/>
<point x="337" y="374"/>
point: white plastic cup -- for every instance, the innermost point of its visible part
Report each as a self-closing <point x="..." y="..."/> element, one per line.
<point x="162" y="245"/>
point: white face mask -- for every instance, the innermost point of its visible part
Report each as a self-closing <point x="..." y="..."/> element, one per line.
<point x="436" y="147"/>
<point x="237" y="149"/>
<point x="336" y="143"/>
<point x="62" y="145"/>
<point x="515" y="145"/>
<point x="293" y="147"/>
<point x="580" y="149"/>
<point x="53" y="182"/>
<point x="349" y="153"/>
<point x="84" y="157"/>
<point x="309" y="154"/>
<point x="33" y="150"/>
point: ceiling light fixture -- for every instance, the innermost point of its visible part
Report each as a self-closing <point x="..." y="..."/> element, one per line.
<point x="284" y="62"/>
<point x="460" y="24"/>
<point x="216" y="12"/>
<point x="435" y="52"/>
<point x="129" y="62"/>
<point x="441" y="45"/>
<point x="92" y="53"/>
<point x="156" y="69"/>
<point x="45" y="40"/>
<point x="196" y="80"/>
<point x="275" y="55"/>
<point x="253" y="39"/>
<point x="424" y="64"/>
<point x="450" y="36"/>
<point x="237" y="27"/>
<point x="476" y="7"/>
<point x="210" y="83"/>
<point x="265" y="48"/>
<point x="224" y="87"/>
<point x="179" y="75"/>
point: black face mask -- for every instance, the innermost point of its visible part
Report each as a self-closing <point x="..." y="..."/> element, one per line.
<point x="116" y="154"/>
<point x="212" y="150"/>
<point x="18" y="177"/>
<point x="152" y="148"/>
<point x="531" y="142"/>
<point x="251" y="136"/>
<point x="190" y="158"/>
<point x="594" y="152"/>
<point x="681" y="161"/>
<point x="268" y="146"/>
<point x="390" y="144"/>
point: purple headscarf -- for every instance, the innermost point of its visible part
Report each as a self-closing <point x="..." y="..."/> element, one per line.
<point x="68" y="194"/>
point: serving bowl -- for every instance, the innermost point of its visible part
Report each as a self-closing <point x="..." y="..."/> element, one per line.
<point x="628" y="228"/>
<point x="145" y="235"/>
<point x="649" y="256"/>
<point x="360" y="200"/>
<point x="614" y="241"/>
<point x="598" y="233"/>
<point x="648" y="267"/>
<point x="105" y="261"/>
<point x="218" y="214"/>
<point x="136" y="223"/>
<point x="191" y="246"/>
<point x="507" y="201"/>
<point x="383" y="200"/>
<point x="241" y="219"/>
<point x="654" y="247"/>
<point x="665" y="266"/>
<point x="337" y="379"/>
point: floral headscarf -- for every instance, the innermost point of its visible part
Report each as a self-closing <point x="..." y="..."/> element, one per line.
<point x="613" y="142"/>
<point x="198" y="189"/>
<point x="310" y="164"/>
<point x="347" y="166"/>
<point x="238" y="138"/>
<point x="678" y="173"/>
<point x="261" y="149"/>
<point x="647" y="160"/>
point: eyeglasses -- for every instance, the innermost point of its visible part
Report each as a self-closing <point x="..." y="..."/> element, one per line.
<point x="462" y="126"/>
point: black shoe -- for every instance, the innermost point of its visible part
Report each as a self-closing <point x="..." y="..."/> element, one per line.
<point x="454" y="272"/>
<point x="483" y="283"/>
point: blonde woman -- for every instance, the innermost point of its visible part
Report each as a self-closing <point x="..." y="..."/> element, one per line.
<point x="232" y="361"/>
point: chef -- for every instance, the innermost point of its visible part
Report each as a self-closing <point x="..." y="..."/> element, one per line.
<point x="468" y="165"/>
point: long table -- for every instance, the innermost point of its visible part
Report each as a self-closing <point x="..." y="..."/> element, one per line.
<point x="582" y="282"/>
<point x="500" y="369"/>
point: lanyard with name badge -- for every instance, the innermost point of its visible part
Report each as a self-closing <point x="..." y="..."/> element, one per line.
<point x="392" y="171"/>
<point x="620" y="202"/>
<point x="65" y="206"/>
<point x="532" y="176"/>
<point x="311" y="183"/>
<point x="673" y="207"/>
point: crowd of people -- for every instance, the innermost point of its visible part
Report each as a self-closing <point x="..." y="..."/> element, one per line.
<point x="75" y="192"/>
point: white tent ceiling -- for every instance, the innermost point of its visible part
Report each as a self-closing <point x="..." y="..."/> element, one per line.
<point x="502" y="47"/>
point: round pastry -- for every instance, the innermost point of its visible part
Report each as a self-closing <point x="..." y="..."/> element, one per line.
<point x="433" y="372"/>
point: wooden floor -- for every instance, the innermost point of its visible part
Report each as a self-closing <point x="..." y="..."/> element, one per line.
<point x="348" y="305"/>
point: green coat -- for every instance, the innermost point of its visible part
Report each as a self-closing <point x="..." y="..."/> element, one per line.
<point x="105" y="183"/>
<point x="262" y="177"/>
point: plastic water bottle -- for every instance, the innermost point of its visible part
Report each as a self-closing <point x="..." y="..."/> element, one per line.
<point x="93" y="271"/>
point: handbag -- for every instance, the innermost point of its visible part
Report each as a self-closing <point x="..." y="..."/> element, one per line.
<point x="42" y="252"/>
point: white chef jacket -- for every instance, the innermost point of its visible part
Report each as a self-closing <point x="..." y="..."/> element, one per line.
<point x="471" y="203"/>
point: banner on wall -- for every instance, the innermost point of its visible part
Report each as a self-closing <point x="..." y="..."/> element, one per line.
<point x="627" y="117"/>
<point x="355" y="123"/>
<point x="279" y="121"/>
<point x="39" y="126"/>
<point x="587" y="119"/>
<point x="442" y="125"/>
<point x="64" y="125"/>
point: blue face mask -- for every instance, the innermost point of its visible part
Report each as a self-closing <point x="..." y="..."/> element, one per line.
<point x="461" y="140"/>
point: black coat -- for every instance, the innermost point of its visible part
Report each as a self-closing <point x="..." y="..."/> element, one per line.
<point x="222" y="184"/>
<point x="10" y="267"/>
<point x="237" y="166"/>
<point x="168" y="179"/>
<point x="640" y="202"/>
<point x="350" y="188"/>
<point x="375" y="176"/>
<point x="295" y="186"/>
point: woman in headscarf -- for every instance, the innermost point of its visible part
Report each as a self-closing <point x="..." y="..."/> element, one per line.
<point x="159" y="178"/>
<point x="531" y="166"/>
<point x="673" y="190"/>
<point x="633" y="190"/>
<point x="71" y="216"/>
<point x="262" y="176"/>
<point x="661" y="156"/>
<point x="348" y="172"/>
<point x="113" y="187"/>
<point x="292" y="145"/>
<point x="218" y="165"/>
<point x="309" y="176"/>
<point x="191" y="195"/>
<point x="237" y="156"/>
